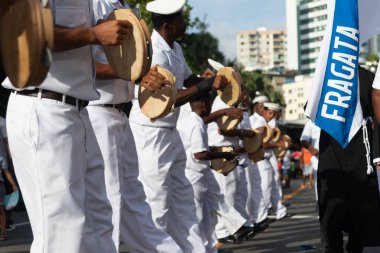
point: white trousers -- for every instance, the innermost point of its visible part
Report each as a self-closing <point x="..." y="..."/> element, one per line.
<point x="276" y="193"/>
<point x="132" y="217"/>
<point x="256" y="207"/>
<point x="228" y="189"/>
<point x="266" y="175"/>
<point x="61" y="175"/>
<point x="162" y="161"/>
<point x="205" y="202"/>
<point x="241" y="196"/>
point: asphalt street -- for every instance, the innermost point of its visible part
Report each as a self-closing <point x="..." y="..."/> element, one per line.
<point x="298" y="233"/>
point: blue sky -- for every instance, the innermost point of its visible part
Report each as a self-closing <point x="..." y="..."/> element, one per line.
<point x="227" y="17"/>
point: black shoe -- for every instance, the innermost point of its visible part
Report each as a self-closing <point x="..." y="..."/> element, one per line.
<point x="227" y="239"/>
<point x="252" y="233"/>
<point x="242" y="233"/>
<point x="261" y="226"/>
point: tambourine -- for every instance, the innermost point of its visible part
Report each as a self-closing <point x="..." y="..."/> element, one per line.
<point x="276" y="134"/>
<point x="253" y="144"/>
<point x="131" y="60"/>
<point x="160" y="103"/>
<point x="257" y="156"/>
<point x="224" y="166"/>
<point x="27" y="38"/>
<point x="231" y="95"/>
<point x="267" y="135"/>
<point x="280" y="152"/>
<point x="227" y="123"/>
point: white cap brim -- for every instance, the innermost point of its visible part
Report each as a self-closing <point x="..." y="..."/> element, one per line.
<point x="260" y="99"/>
<point x="273" y="106"/>
<point x="215" y="65"/>
<point x="166" y="7"/>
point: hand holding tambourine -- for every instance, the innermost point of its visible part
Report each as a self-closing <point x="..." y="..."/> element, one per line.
<point x="132" y="59"/>
<point x="231" y="94"/>
<point x="223" y="165"/>
<point x="157" y="103"/>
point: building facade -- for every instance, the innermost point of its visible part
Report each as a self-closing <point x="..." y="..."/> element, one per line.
<point x="306" y="22"/>
<point x="261" y="49"/>
<point x="295" y="96"/>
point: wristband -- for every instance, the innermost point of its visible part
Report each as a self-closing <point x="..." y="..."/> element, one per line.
<point x="205" y="85"/>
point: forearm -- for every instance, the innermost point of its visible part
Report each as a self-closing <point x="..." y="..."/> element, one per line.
<point x="241" y="133"/>
<point x="207" y="155"/>
<point x="184" y="95"/>
<point x="213" y="116"/>
<point x="270" y="145"/>
<point x="10" y="179"/>
<point x="192" y="80"/>
<point x="105" y="72"/>
<point x="72" y="38"/>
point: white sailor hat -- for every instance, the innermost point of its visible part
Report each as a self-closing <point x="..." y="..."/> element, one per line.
<point x="260" y="99"/>
<point x="273" y="106"/>
<point x="165" y="7"/>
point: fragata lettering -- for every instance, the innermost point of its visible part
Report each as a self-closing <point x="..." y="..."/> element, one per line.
<point x="343" y="70"/>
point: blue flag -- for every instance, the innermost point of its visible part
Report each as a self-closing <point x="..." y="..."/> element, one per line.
<point x="334" y="103"/>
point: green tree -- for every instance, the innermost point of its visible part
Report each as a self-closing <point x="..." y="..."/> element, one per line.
<point x="198" y="44"/>
<point x="373" y="58"/>
<point x="256" y="82"/>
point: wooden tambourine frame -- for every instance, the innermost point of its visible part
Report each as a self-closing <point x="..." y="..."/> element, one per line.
<point x="252" y="145"/>
<point x="280" y="152"/>
<point x="26" y="41"/>
<point x="231" y="95"/>
<point x="227" y="123"/>
<point x="224" y="166"/>
<point x="158" y="104"/>
<point x="267" y="134"/>
<point x="276" y="134"/>
<point x="257" y="156"/>
<point x="131" y="60"/>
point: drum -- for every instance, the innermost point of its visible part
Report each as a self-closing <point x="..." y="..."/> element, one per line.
<point x="227" y="123"/>
<point x="231" y="95"/>
<point x="252" y="145"/>
<point x="131" y="60"/>
<point x="27" y="38"/>
<point x="158" y="104"/>
<point x="224" y="166"/>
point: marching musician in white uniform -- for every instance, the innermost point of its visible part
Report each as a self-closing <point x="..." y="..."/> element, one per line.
<point x="161" y="155"/>
<point x="132" y="218"/>
<point x="209" y="201"/>
<point x="229" y="185"/>
<point x="257" y="204"/>
<point x="276" y="193"/>
<point x="56" y="157"/>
